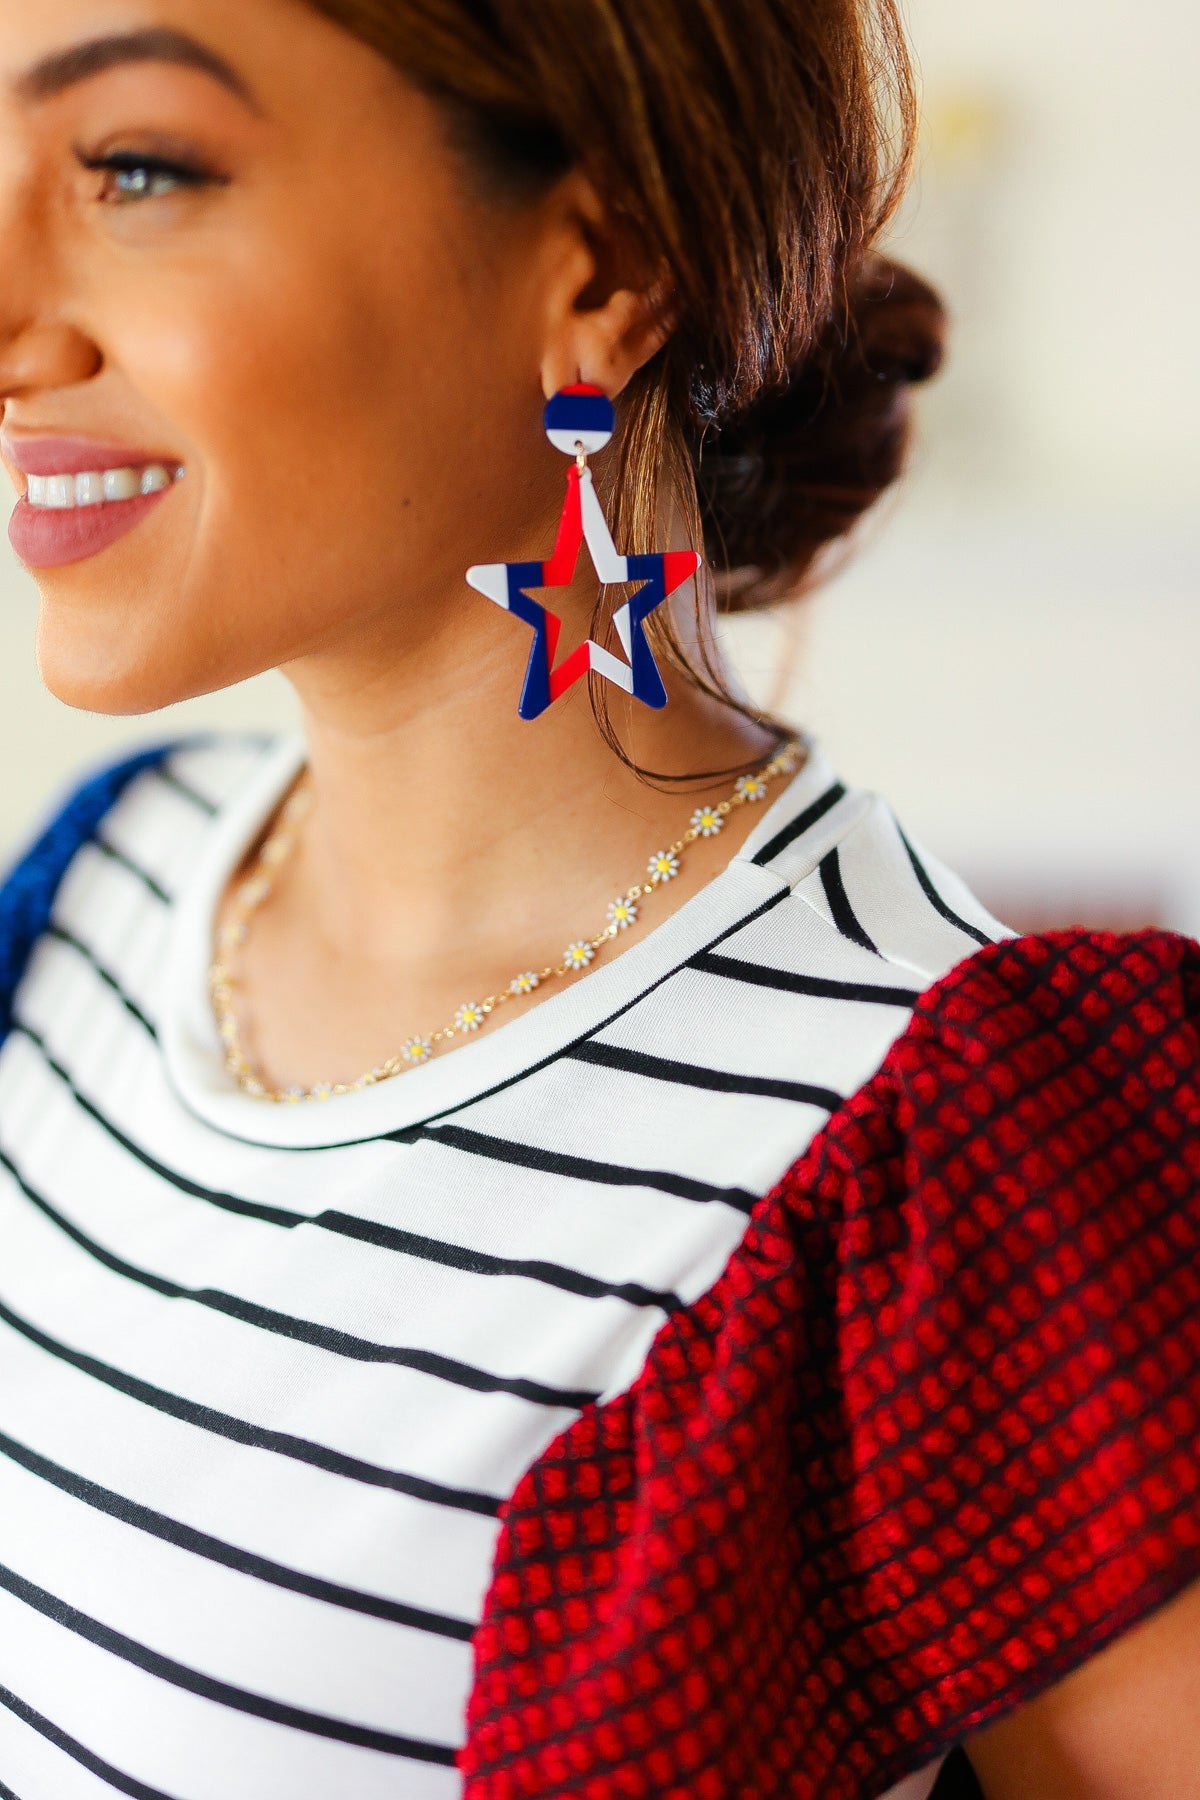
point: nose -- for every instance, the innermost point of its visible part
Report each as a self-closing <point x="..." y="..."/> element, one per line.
<point x="40" y="348"/>
<point x="39" y="355"/>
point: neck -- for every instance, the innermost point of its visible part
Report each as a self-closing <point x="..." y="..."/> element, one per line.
<point x="461" y="826"/>
<point x="437" y="806"/>
<point x="445" y="827"/>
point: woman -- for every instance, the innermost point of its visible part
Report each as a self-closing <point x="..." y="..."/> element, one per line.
<point x="763" y="1359"/>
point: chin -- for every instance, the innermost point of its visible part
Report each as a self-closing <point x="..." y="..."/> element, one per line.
<point x="95" y="666"/>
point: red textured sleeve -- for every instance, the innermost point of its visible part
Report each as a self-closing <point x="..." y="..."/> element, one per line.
<point x="1018" y="1314"/>
<point x="931" y="1440"/>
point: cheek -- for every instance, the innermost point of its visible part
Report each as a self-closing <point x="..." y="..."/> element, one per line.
<point x="338" y="391"/>
<point x="336" y="423"/>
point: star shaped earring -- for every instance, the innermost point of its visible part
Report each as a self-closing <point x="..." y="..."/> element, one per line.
<point x="579" y="420"/>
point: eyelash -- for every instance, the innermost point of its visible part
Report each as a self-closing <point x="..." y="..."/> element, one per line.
<point x="131" y="162"/>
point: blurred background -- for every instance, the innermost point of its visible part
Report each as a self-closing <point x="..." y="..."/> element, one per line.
<point x="1012" y="654"/>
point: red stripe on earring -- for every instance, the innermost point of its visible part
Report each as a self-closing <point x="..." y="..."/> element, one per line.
<point x="570" y="669"/>
<point x="677" y="566"/>
<point x="559" y="566"/>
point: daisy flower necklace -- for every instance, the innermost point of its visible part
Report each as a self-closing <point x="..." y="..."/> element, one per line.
<point x="623" y="912"/>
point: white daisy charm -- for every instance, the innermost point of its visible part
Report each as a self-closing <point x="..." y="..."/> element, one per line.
<point x="707" y="821"/>
<point x="752" y="787"/>
<point x="292" y="1094"/>
<point x="254" y="891"/>
<point x="233" y="934"/>
<point x="663" y="866"/>
<point x="579" y="955"/>
<point x="322" y="1091"/>
<point x="298" y="804"/>
<point x="524" y="983"/>
<point x="469" y="1017"/>
<point x="622" y="913"/>
<point x="415" y="1050"/>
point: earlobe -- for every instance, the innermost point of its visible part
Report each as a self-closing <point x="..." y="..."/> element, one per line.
<point x="607" y="345"/>
<point x="561" y="368"/>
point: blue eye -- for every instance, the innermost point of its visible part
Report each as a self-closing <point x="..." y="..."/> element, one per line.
<point x="146" y="181"/>
<point x="135" y="177"/>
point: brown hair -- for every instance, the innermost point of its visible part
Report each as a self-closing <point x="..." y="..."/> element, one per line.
<point x="755" y="149"/>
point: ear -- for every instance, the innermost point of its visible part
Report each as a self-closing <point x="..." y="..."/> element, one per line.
<point x="606" y="311"/>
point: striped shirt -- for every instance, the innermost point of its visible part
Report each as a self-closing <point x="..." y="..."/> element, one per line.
<point x="268" y="1374"/>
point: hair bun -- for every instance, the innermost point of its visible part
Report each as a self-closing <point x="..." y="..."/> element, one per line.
<point x="799" y="467"/>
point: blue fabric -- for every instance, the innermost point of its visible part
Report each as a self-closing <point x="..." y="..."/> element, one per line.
<point x="28" y="890"/>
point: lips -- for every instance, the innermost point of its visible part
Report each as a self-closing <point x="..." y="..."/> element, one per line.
<point x="74" y="455"/>
<point x="47" y="537"/>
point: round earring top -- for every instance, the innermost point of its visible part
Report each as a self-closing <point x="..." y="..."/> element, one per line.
<point x="579" y="415"/>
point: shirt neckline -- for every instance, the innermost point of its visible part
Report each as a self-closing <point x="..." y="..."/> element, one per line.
<point x="192" y="1049"/>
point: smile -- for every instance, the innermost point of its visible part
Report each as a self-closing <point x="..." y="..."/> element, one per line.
<point x="95" y="487"/>
<point x="67" y="515"/>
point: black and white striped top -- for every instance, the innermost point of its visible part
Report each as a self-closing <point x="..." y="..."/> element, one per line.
<point x="267" y="1373"/>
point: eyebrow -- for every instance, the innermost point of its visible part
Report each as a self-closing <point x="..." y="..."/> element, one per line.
<point x="63" y="68"/>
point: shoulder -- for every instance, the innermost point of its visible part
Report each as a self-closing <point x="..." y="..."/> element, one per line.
<point x="142" y="809"/>
<point x="1031" y="1136"/>
<point x="1030" y="1058"/>
<point x="204" y="769"/>
<point x="992" y="1037"/>
<point x="849" y="924"/>
<point x="850" y="865"/>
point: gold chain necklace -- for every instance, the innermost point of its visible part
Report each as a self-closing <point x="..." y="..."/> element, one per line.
<point x="663" y="866"/>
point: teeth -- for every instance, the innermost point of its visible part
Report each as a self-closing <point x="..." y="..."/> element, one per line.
<point x="89" y="490"/>
<point x="120" y="484"/>
<point x="94" y="486"/>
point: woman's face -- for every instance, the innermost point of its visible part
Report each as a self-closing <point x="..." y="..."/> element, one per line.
<point x="235" y="248"/>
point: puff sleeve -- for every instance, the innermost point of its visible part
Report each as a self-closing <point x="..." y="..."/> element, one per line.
<point x="931" y="1440"/>
<point x="1018" y="1314"/>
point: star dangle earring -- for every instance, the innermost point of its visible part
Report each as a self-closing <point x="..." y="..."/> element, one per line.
<point x="579" y="420"/>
